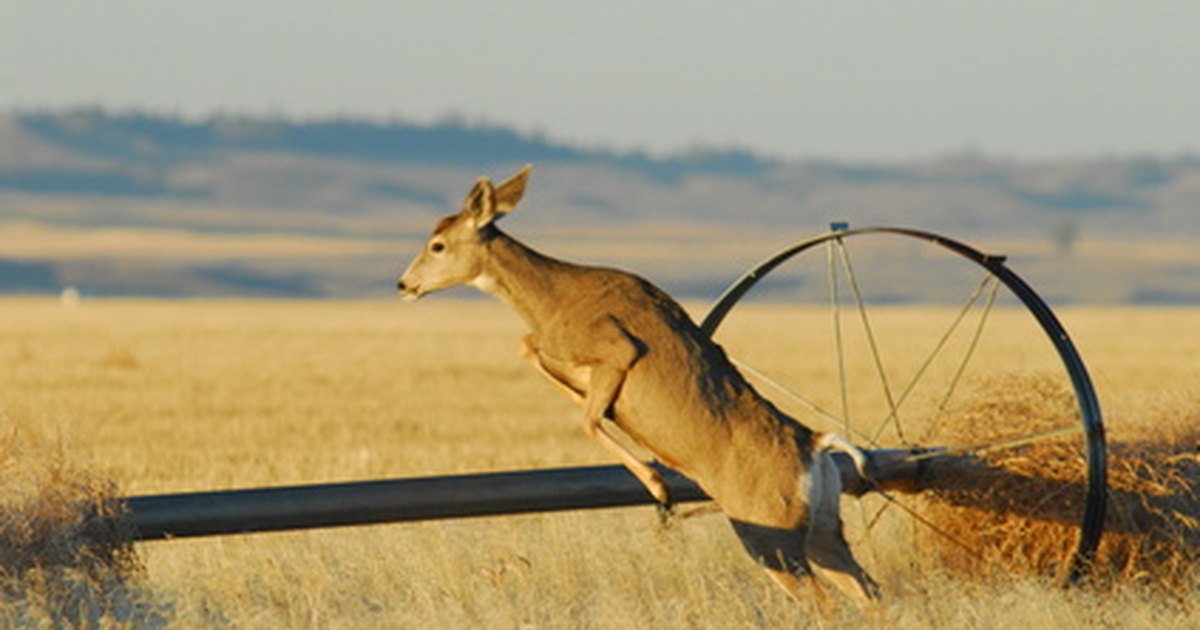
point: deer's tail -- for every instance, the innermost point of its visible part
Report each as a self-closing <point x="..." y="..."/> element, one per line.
<point x="834" y="442"/>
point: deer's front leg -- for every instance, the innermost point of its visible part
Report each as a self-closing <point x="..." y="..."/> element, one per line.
<point x="529" y="351"/>
<point x="614" y="353"/>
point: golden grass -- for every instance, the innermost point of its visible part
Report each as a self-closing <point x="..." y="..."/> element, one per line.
<point x="174" y="396"/>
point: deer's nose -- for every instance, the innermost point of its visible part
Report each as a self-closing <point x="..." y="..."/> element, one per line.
<point x="400" y="285"/>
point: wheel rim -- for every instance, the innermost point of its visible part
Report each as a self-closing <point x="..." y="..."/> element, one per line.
<point x="1093" y="447"/>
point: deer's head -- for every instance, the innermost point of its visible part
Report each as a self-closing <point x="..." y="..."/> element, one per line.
<point x="455" y="252"/>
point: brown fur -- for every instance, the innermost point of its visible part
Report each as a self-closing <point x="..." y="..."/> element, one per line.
<point x="624" y="350"/>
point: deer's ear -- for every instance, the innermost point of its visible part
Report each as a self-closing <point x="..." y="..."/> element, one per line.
<point x="480" y="203"/>
<point x="510" y="192"/>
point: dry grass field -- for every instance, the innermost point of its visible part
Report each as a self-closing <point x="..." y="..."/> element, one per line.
<point x="138" y="397"/>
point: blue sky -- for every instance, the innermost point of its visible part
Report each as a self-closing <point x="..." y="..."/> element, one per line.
<point x="850" y="80"/>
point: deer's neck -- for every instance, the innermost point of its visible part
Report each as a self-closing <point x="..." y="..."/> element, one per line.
<point x="530" y="282"/>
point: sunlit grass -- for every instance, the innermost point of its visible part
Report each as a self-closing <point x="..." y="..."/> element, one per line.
<point x="192" y="395"/>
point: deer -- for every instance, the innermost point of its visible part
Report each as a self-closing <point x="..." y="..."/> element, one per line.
<point x="632" y="358"/>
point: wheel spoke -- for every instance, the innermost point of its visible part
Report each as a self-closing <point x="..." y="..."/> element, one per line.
<point x="835" y="304"/>
<point x="874" y="520"/>
<point x="933" y="527"/>
<point x="941" y="343"/>
<point x="962" y="367"/>
<point x="997" y="444"/>
<point x="866" y="322"/>
<point x="799" y="398"/>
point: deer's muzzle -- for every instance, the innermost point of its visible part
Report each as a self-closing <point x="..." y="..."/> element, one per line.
<point x="408" y="290"/>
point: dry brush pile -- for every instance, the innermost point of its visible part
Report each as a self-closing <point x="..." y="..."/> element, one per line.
<point x="65" y="557"/>
<point x="1017" y="510"/>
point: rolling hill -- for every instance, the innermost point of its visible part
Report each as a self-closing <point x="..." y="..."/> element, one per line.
<point x="271" y="206"/>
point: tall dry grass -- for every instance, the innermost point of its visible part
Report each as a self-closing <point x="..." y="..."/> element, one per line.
<point x="172" y="396"/>
<point x="66" y="557"/>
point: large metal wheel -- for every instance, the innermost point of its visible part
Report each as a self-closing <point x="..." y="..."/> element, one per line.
<point x="905" y="339"/>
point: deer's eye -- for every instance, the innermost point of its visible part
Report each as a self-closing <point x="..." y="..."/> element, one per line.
<point x="437" y="247"/>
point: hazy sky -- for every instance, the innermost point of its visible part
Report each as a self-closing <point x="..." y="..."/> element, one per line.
<point x="848" y="79"/>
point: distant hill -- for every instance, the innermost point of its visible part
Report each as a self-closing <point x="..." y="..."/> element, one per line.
<point x="371" y="182"/>
<point x="135" y="138"/>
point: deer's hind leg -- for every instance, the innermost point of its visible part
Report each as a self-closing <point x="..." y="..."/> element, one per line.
<point x="781" y="552"/>
<point x="826" y="546"/>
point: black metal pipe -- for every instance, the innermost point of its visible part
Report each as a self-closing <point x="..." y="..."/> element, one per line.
<point x="159" y="517"/>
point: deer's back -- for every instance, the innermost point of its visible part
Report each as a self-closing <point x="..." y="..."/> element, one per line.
<point x="683" y="399"/>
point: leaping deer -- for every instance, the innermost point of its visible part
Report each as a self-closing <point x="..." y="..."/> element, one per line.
<point x="624" y="350"/>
